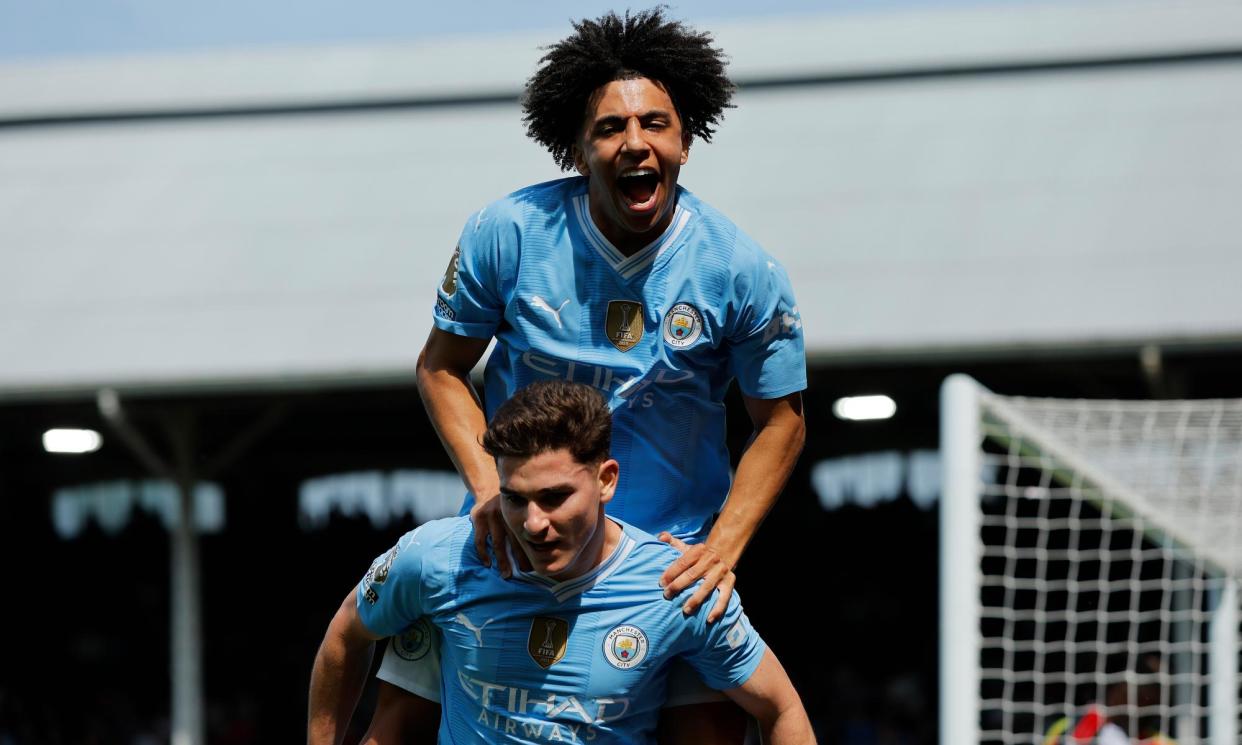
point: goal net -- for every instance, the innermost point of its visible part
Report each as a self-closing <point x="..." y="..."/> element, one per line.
<point x="1089" y="551"/>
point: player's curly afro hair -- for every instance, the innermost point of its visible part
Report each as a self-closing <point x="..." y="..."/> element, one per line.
<point x="646" y="44"/>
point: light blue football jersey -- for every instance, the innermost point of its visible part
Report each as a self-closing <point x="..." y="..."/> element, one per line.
<point x="532" y="660"/>
<point x="662" y="333"/>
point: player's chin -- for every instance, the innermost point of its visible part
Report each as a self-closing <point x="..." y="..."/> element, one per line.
<point x="544" y="562"/>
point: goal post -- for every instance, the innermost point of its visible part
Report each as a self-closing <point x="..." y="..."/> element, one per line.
<point x="1089" y="552"/>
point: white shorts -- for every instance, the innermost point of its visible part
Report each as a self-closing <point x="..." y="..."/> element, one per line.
<point x="412" y="662"/>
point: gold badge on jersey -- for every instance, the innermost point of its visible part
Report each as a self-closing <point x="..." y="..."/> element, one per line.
<point x="624" y="323"/>
<point x="449" y="284"/>
<point x="547" y="641"/>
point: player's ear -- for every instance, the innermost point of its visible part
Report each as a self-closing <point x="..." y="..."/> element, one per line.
<point x="608" y="475"/>
<point x="580" y="162"/>
<point x="685" y="148"/>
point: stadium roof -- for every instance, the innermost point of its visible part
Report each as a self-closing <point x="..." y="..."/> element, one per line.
<point x="938" y="181"/>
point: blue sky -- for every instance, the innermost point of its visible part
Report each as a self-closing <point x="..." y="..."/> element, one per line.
<point x="53" y="28"/>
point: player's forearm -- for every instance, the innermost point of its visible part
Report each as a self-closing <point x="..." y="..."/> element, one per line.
<point x="790" y="727"/>
<point x="337" y="679"/>
<point x="761" y="474"/>
<point x="769" y="696"/>
<point x="457" y="415"/>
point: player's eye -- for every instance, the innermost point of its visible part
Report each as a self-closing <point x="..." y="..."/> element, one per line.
<point x="552" y="499"/>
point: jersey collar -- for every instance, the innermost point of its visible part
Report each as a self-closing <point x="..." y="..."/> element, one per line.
<point x="628" y="266"/>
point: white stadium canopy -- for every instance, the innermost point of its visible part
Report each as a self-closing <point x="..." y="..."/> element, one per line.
<point x="937" y="181"/>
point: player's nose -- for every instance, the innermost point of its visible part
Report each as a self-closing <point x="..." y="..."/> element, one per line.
<point x="535" y="522"/>
<point x="635" y="142"/>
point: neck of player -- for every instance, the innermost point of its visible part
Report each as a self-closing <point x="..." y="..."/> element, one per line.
<point x="603" y="542"/>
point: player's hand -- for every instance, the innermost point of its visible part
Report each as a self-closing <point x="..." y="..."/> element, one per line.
<point x="698" y="562"/>
<point x="487" y="522"/>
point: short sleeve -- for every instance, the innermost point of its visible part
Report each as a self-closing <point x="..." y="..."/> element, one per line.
<point x="767" y="352"/>
<point x="468" y="298"/>
<point x="725" y="653"/>
<point x="389" y="597"/>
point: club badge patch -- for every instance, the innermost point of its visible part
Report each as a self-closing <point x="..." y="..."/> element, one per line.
<point x="415" y="642"/>
<point x="548" y="640"/>
<point x="384" y="566"/>
<point x="683" y="324"/>
<point x="449" y="284"/>
<point x="624" y="323"/>
<point x="377" y="574"/>
<point x="625" y="647"/>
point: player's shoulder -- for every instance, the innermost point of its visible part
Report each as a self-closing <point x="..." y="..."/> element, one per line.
<point x="646" y="554"/>
<point x="518" y="207"/>
<point x="647" y="560"/>
<point x="710" y="224"/>
<point x="438" y="531"/>
<point x="437" y="545"/>
<point x="716" y="233"/>
<point x="555" y="191"/>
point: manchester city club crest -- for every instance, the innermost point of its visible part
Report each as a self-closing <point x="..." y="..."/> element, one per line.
<point x="682" y="325"/>
<point x="624" y="323"/>
<point x="415" y="642"/>
<point x="547" y="640"/>
<point x="625" y="647"/>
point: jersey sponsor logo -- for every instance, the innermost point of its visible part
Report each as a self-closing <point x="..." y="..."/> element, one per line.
<point x="625" y="646"/>
<point x="415" y="642"/>
<point x="541" y="304"/>
<point x="683" y="324"/>
<point x="499" y="704"/>
<point x="632" y="392"/>
<point x="623" y="324"/>
<point x="548" y="640"/>
<point x="736" y="635"/>
<point x="448" y="285"/>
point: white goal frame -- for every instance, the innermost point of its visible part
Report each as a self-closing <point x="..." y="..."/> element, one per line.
<point x="965" y="407"/>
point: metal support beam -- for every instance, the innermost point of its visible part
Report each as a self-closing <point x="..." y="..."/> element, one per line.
<point x="188" y="721"/>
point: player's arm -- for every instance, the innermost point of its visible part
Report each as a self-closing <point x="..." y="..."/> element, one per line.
<point x="443" y="371"/>
<point x="769" y="696"/>
<point x="401" y="718"/>
<point x="338" y="676"/>
<point x="769" y="458"/>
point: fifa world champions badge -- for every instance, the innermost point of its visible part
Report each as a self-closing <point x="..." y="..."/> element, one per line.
<point x="548" y="639"/>
<point x="623" y="323"/>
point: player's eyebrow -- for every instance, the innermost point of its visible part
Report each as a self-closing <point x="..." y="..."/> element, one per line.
<point x="556" y="490"/>
<point x="617" y="119"/>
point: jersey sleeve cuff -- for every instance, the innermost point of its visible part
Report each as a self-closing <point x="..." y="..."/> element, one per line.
<point x="472" y="330"/>
<point x="739" y="677"/>
<point x="770" y="393"/>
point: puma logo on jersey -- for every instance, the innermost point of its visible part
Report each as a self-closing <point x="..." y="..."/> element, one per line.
<point x="478" y="630"/>
<point x="542" y="304"/>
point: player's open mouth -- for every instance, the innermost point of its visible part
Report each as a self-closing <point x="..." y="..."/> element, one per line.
<point x="543" y="547"/>
<point x="640" y="188"/>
